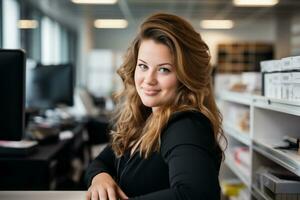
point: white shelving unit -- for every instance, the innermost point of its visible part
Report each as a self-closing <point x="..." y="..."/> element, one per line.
<point x="235" y="97"/>
<point x="240" y="172"/>
<point x="237" y="134"/>
<point x="269" y="121"/>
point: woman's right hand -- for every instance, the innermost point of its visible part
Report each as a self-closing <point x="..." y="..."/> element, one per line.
<point x="104" y="187"/>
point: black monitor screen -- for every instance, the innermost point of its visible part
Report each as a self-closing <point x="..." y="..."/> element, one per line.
<point x="12" y="86"/>
<point x="48" y="86"/>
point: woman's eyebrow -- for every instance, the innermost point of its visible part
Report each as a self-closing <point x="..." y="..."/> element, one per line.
<point x="142" y="61"/>
<point x="166" y="63"/>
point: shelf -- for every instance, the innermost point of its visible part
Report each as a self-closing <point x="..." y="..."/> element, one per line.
<point x="280" y="105"/>
<point x="287" y="159"/>
<point x="259" y="194"/>
<point x="236" y="97"/>
<point x="229" y="161"/>
<point x="284" y="106"/>
<point x="242" y="56"/>
<point x="269" y="120"/>
<point x="243" y="137"/>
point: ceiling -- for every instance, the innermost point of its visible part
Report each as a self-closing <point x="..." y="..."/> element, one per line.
<point x="192" y="9"/>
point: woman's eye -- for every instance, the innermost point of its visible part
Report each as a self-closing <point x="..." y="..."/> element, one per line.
<point x="142" y="66"/>
<point x="164" y="70"/>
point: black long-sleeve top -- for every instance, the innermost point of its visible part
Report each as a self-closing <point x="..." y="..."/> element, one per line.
<point x="186" y="167"/>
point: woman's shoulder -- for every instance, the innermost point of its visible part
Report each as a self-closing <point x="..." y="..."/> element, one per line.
<point x="184" y="116"/>
<point x="187" y="127"/>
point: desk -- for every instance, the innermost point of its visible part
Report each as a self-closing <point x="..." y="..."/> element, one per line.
<point x="42" y="195"/>
<point x="47" y="168"/>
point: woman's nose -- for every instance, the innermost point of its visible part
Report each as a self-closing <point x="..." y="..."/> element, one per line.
<point x="150" y="77"/>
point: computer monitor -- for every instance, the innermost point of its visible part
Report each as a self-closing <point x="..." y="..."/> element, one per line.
<point x="12" y="88"/>
<point x="48" y="86"/>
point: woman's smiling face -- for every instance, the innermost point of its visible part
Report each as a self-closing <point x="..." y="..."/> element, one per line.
<point x="155" y="76"/>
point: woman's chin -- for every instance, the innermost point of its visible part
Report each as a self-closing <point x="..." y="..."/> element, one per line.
<point x="149" y="104"/>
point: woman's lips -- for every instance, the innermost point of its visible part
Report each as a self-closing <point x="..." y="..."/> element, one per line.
<point x="151" y="92"/>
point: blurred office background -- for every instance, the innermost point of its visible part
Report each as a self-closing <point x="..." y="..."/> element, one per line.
<point x="243" y="33"/>
<point x="58" y="31"/>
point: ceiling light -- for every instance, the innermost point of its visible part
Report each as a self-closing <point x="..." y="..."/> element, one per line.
<point x="110" y="23"/>
<point x="27" y="24"/>
<point x="255" y="3"/>
<point x="216" y="24"/>
<point x="95" y="1"/>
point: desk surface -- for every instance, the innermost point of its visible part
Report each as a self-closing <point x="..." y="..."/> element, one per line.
<point x="42" y="195"/>
<point x="46" y="152"/>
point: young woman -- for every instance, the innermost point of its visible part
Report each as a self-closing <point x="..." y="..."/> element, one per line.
<point x="165" y="140"/>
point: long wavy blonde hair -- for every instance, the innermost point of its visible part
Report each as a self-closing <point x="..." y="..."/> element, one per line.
<point x="135" y="126"/>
